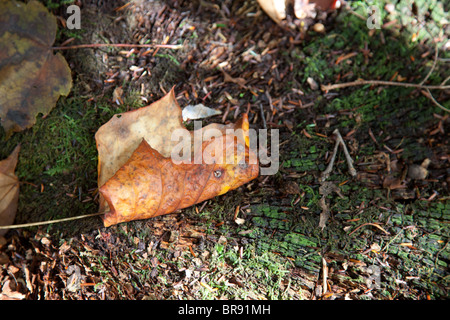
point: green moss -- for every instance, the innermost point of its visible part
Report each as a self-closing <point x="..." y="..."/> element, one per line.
<point x="58" y="158"/>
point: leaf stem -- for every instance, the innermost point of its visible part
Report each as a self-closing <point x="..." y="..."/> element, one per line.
<point x="34" y="224"/>
<point x="120" y="45"/>
<point x="381" y="83"/>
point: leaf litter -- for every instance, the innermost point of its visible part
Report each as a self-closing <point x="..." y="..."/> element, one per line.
<point x="159" y="255"/>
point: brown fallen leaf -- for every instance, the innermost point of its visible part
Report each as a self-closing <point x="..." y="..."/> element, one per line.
<point x="119" y="139"/>
<point x="9" y="189"/>
<point x="393" y="183"/>
<point x="31" y="77"/>
<point x="149" y="184"/>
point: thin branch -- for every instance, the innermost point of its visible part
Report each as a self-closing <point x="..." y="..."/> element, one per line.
<point x="370" y="224"/>
<point x="433" y="66"/>
<point x="381" y="83"/>
<point x="35" y="224"/>
<point x="329" y="168"/>
<point x="445" y="81"/>
<point x="351" y="168"/>
<point x="120" y="45"/>
<point x="262" y="116"/>
<point x="436" y="103"/>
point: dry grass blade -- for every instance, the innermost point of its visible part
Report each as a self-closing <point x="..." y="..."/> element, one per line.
<point x="370" y="224"/>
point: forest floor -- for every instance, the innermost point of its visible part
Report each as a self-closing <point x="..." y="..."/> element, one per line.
<point x="380" y="235"/>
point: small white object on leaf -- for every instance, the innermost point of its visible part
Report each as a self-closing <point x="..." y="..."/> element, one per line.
<point x="199" y="111"/>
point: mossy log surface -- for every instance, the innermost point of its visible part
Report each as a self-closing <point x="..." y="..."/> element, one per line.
<point x="415" y="254"/>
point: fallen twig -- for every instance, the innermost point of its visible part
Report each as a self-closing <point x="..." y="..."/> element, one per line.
<point x="381" y="83"/>
<point x="324" y="276"/>
<point x="262" y="116"/>
<point x="445" y="81"/>
<point x="370" y="224"/>
<point x="120" y="45"/>
<point x="327" y="187"/>
<point x="351" y="168"/>
<point x="433" y="66"/>
<point x="436" y="103"/>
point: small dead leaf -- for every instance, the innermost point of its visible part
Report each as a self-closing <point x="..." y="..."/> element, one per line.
<point x="32" y="77"/>
<point x="117" y="95"/>
<point x="239" y="81"/>
<point x="9" y="189"/>
<point x="74" y="281"/>
<point x="8" y="292"/>
<point x="222" y="240"/>
<point x="393" y="183"/>
<point x="375" y="247"/>
<point x="64" y="248"/>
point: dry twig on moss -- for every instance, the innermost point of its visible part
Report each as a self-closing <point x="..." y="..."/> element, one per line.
<point x="420" y="85"/>
<point x="382" y="83"/>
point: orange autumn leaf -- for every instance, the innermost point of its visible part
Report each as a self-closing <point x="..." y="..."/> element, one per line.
<point x="139" y="180"/>
<point x="150" y="185"/>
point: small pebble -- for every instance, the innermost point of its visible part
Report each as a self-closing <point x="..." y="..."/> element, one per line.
<point x="318" y="27"/>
